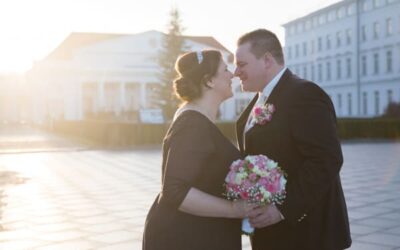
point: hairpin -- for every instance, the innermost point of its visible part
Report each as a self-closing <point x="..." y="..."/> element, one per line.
<point x="199" y="56"/>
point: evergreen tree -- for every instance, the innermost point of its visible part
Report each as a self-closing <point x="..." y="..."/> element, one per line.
<point x="172" y="47"/>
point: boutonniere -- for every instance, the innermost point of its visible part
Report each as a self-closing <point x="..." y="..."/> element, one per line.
<point x="262" y="114"/>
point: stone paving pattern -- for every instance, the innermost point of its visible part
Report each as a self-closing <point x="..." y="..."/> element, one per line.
<point x="99" y="199"/>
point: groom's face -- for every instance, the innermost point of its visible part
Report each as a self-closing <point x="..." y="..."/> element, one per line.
<point x="251" y="70"/>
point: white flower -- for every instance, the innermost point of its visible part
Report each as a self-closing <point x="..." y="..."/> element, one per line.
<point x="265" y="193"/>
<point x="239" y="177"/>
<point x="283" y="182"/>
<point x="272" y="164"/>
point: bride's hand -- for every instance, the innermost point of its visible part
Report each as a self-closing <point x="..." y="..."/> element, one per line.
<point x="242" y="208"/>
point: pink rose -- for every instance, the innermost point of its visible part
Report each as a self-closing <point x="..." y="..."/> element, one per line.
<point x="263" y="181"/>
<point x="247" y="184"/>
<point x="231" y="177"/>
<point x="257" y="111"/>
<point x="273" y="187"/>
<point x="244" y="195"/>
<point x="253" y="176"/>
<point x="271" y="108"/>
<point x="250" y="166"/>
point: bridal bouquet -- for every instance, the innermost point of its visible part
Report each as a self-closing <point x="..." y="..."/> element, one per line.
<point x="257" y="180"/>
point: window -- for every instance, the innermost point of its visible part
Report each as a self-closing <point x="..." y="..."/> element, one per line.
<point x="351" y="9"/>
<point x="389" y="61"/>
<point x="376" y="94"/>
<point x="296" y="50"/>
<point x="308" y="24"/>
<point x="376" y="63"/>
<point x="331" y="16"/>
<point x="328" y="42"/>
<point x="364" y="65"/>
<point x="328" y="71"/>
<point x="349" y="105"/>
<point x="363" y="33"/>
<point x="389" y="27"/>
<point x="348" y="36"/>
<point x="304" y="49"/>
<point x="348" y="67"/>
<point x="365" y="5"/>
<point x="151" y="93"/>
<point x="338" y="69"/>
<point x="111" y="95"/>
<point x="319" y="43"/>
<point x="389" y="96"/>
<point x="376" y="30"/>
<point x="289" y="52"/>
<point x="320" y="72"/>
<point x="338" y="39"/>
<point x="377" y="3"/>
<point x="341" y="12"/>
<point x="132" y="90"/>
<point x="339" y="97"/>
<point x="322" y="19"/>
<point x="292" y="30"/>
<point x="300" y="27"/>
<point x="305" y="72"/>
<point x="312" y="72"/>
<point x="312" y="46"/>
<point x="365" y="103"/>
<point x="315" y="21"/>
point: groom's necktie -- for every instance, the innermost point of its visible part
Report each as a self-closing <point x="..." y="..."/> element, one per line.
<point x="250" y="120"/>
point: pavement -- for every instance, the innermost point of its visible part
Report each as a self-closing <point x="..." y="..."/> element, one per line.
<point x="98" y="199"/>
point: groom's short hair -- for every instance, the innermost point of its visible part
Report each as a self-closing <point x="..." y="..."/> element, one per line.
<point x="261" y="42"/>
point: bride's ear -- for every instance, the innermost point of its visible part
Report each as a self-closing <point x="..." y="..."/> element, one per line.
<point x="208" y="82"/>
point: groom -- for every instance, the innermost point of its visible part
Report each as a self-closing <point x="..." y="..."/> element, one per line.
<point x="302" y="138"/>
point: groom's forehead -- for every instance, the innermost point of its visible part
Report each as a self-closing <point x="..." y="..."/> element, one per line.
<point x="243" y="50"/>
<point x="243" y="54"/>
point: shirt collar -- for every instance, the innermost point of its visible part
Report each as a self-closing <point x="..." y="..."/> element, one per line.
<point x="271" y="85"/>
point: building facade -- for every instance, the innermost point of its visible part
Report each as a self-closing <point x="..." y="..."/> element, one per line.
<point x="352" y="50"/>
<point x="90" y="75"/>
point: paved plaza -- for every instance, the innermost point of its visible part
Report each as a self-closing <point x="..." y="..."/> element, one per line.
<point x="97" y="199"/>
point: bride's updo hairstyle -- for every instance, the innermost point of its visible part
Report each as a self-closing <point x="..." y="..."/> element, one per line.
<point x="194" y="70"/>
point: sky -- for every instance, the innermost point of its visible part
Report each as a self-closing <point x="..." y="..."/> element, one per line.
<point x="29" y="30"/>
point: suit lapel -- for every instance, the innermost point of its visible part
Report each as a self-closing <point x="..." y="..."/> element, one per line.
<point x="274" y="96"/>
<point x="241" y="122"/>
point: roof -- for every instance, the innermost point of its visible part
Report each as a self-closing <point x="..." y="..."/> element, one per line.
<point x="208" y="40"/>
<point x="80" y="39"/>
<point x="317" y="12"/>
<point x="76" y="40"/>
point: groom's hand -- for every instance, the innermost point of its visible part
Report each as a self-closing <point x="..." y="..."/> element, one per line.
<point x="265" y="216"/>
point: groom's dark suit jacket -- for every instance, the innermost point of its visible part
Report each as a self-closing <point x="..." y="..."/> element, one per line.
<point x="302" y="138"/>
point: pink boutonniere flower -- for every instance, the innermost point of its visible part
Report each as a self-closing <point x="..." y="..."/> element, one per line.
<point x="262" y="114"/>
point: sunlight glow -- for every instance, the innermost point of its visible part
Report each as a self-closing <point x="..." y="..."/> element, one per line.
<point x="30" y="30"/>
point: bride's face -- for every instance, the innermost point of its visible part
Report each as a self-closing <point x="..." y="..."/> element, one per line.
<point x="222" y="81"/>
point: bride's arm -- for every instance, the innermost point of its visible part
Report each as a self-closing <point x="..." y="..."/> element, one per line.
<point x="200" y="203"/>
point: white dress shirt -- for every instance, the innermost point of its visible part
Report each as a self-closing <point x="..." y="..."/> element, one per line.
<point x="263" y="97"/>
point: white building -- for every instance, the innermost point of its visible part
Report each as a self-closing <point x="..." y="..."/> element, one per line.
<point x="111" y="74"/>
<point x="352" y="50"/>
<point x="15" y="99"/>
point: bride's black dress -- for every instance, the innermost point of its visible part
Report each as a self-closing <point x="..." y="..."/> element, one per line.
<point x="195" y="154"/>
